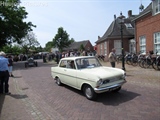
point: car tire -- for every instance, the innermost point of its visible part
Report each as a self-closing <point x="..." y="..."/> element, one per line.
<point x="26" y="65"/>
<point x="89" y="92"/>
<point x="58" y="81"/>
<point x="117" y="90"/>
<point x="36" y="64"/>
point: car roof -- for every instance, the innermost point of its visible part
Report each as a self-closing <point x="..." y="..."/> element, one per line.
<point x="78" y="57"/>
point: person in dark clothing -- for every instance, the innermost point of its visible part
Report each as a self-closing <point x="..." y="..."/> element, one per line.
<point x="44" y="58"/>
<point x="4" y="74"/>
<point x="10" y="66"/>
<point x="57" y="57"/>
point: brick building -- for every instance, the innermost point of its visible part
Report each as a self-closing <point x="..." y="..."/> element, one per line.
<point x="112" y="37"/>
<point x="147" y="28"/>
<point x="75" y="46"/>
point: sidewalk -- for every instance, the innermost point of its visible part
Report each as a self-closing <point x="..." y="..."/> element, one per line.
<point x="21" y="105"/>
<point x="12" y="106"/>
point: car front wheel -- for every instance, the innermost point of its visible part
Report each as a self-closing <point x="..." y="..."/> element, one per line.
<point x="58" y="81"/>
<point x="89" y="93"/>
<point x="26" y="65"/>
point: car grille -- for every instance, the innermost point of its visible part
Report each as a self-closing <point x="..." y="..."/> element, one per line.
<point x="112" y="79"/>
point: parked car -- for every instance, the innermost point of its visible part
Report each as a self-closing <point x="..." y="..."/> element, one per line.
<point x="87" y="74"/>
<point x="31" y="63"/>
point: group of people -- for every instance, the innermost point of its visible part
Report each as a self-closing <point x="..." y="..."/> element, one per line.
<point x="59" y="55"/>
<point x="6" y="66"/>
<point x="112" y="56"/>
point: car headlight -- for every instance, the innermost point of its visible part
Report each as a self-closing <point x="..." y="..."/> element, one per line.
<point x="124" y="76"/>
<point x="99" y="82"/>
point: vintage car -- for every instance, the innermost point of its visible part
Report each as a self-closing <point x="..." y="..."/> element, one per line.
<point x="30" y="63"/>
<point x="87" y="74"/>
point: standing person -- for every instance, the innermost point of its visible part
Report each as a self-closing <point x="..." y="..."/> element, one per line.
<point x="112" y="58"/>
<point x="44" y="58"/>
<point x="10" y="66"/>
<point x="4" y="74"/>
<point x="84" y="53"/>
<point x="57" y="57"/>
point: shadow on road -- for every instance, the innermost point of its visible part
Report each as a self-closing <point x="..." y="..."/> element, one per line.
<point x="18" y="96"/>
<point x="2" y="97"/>
<point x="115" y="99"/>
<point x="110" y="98"/>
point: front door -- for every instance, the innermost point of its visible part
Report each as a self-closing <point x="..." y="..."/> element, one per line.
<point x="70" y="74"/>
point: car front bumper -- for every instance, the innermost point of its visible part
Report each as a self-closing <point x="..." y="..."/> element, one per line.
<point x="109" y="88"/>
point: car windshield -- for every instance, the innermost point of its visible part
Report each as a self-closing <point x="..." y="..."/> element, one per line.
<point x="87" y="63"/>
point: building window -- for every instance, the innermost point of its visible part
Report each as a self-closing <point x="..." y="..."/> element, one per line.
<point x="157" y="42"/>
<point x="156" y="6"/>
<point x="128" y="25"/>
<point x="101" y="49"/>
<point x="105" y="48"/>
<point x="142" y="43"/>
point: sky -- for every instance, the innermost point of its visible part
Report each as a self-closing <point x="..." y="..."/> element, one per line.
<point x="81" y="19"/>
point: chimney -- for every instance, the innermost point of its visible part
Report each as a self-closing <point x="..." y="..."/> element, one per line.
<point x="115" y="17"/>
<point x="129" y="13"/>
<point x="99" y="37"/>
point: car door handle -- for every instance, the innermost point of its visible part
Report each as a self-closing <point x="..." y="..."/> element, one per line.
<point x="65" y="70"/>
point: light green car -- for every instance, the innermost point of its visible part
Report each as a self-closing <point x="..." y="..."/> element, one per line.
<point x="87" y="74"/>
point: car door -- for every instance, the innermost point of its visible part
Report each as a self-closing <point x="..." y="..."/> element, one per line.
<point x="70" y="75"/>
<point x="61" y="73"/>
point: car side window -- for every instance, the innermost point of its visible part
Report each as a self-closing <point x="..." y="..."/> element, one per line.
<point x="71" y="64"/>
<point x="87" y="63"/>
<point x="63" y="64"/>
<point x="81" y="63"/>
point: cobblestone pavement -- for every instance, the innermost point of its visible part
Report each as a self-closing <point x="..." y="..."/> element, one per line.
<point x="35" y="96"/>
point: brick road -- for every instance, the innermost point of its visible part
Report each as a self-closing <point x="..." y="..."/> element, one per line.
<point x="35" y="96"/>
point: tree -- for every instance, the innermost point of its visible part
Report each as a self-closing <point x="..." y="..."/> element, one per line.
<point x="48" y="46"/>
<point x="15" y="49"/>
<point x="72" y="40"/>
<point x="61" y="39"/>
<point x="39" y="49"/>
<point x="82" y="47"/>
<point x="6" y="49"/>
<point x="12" y="24"/>
<point x="29" y="41"/>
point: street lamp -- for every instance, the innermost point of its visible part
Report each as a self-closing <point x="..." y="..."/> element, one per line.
<point x="121" y="19"/>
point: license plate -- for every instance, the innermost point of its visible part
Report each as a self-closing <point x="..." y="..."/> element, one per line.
<point x="111" y="89"/>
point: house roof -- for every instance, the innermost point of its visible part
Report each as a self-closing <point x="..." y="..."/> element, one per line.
<point x="146" y="11"/>
<point x="76" y="45"/>
<point x="114" y="30"/>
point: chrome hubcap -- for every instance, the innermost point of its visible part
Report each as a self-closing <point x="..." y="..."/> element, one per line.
<point x="88" y="92"/>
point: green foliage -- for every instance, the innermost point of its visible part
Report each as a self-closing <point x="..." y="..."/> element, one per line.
<point x="81" y="47"/>
<point x="61" y="39"/>
<point x="72" y="40"/>
<point x="11" y="49"/>
<point x="39" y="49"/>
<point x="12" y="25"/>
<point x="6" y="49"/>
<point x="17" y="49"/>
<point x="48" y="46"/>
